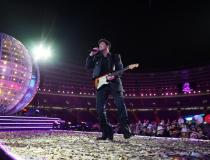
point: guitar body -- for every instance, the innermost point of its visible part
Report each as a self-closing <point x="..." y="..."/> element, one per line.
<point x="100" y="81"/>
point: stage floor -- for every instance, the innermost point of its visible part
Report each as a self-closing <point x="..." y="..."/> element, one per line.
<point x="43" y="145"/>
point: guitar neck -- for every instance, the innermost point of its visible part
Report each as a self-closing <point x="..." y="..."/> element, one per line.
<point x="117" y="72"/>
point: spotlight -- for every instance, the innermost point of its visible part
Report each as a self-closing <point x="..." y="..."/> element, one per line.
<point x="40" y="52"/>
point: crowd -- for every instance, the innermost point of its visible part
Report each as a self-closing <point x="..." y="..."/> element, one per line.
<point x="194" y="129"/>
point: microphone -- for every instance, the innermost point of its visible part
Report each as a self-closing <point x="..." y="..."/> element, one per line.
<point x="93" y="50"/>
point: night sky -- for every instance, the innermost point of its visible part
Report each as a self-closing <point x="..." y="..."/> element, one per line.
<point x="157" y="34"/>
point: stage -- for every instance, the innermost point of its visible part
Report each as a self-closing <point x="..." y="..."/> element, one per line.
<point x="58" y="144"/>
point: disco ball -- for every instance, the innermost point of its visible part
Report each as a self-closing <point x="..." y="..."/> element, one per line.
<point x="19" y="75"/>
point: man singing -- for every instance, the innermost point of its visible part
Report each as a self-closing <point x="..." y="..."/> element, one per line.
<point x="102" y="64"/>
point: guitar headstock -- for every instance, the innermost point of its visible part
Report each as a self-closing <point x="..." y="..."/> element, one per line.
<point x="133" y="66"/>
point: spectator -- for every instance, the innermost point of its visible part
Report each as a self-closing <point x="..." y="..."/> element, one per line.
<point x="195" y="135"/>
<point x="147" y="123"/>
<point x="173" y="126"/>
<point x="176" y="132"/>
<point x="206" y="131"/>
<point x="189" y="123"/>
<point x="174" y="122"/>
<point x="184" y="133"/>
<point x="199" y="119"/>
<point x="162" y="122"/>
<point x="171" y="132"/>
<point x="161" y="132"/>
<point x="138" y="126"/>
<point x="149" y="131"/>
<point x="181" y="120"/>
<point x="199" y="128"/>
<point x="153" y="132"/>
<point x="144" y="132"/>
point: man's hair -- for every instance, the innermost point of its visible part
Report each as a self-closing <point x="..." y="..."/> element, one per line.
<point x="105" y="41"/>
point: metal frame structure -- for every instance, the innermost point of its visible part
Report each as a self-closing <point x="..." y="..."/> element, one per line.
<point x="19" y="75"/>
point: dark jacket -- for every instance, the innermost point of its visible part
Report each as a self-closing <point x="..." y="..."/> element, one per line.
<point x="96" y="61"/>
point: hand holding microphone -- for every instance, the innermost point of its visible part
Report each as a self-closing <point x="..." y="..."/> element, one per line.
<point x="94" y="51"/>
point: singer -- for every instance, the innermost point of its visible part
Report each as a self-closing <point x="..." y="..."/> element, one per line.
<point x="104" y="63"/>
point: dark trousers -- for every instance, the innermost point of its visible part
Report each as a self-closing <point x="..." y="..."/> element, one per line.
<point x="101" y="98"/>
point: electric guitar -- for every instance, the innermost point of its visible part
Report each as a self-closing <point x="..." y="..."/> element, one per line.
<point x="100" y="81"/>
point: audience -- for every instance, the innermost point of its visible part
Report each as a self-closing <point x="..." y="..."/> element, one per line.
<point x="194" y="129"/>
<point x="191" y="129"/>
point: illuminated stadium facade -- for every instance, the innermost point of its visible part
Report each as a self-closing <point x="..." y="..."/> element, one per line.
<point x="68" y="87"/>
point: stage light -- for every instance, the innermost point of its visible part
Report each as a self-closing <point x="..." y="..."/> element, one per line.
<point x="189" y="118"/>
<point x="40" y="52"/>
<point x="199" y="91"/>
<point x="175" y="93"/>
<point x="166" y="94"/>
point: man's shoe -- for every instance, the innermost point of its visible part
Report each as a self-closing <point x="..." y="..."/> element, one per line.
<point x="128" y="135"/>
<point x="101" y="138"/>
<point x="110" y="137"/>
<point x="104" y="138"/>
